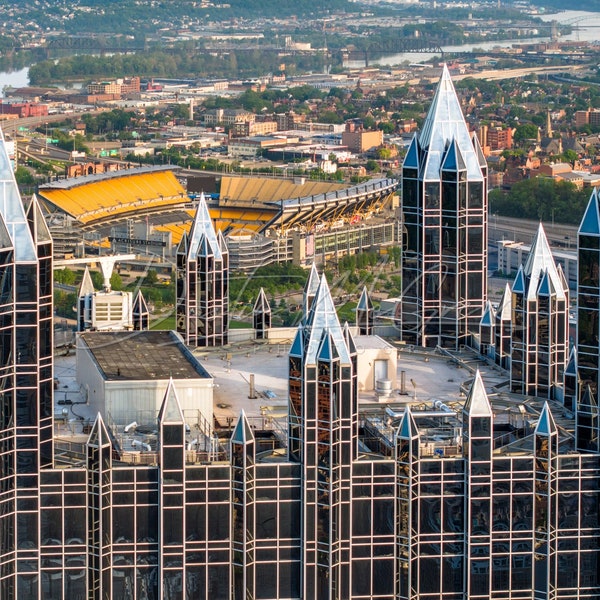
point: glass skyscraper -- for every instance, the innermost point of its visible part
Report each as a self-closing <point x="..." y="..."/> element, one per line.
<point x="203" y="283"/>
<point x="444" y="205"/>
<point x="414" y="503"/>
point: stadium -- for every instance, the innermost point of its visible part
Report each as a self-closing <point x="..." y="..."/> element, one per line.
<point x="146" y="211"/>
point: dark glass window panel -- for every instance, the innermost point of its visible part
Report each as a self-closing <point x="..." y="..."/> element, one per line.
<point x="361" y="578"/>
<point x="430" y="509"/>
<point x="26" y="280"/>
<point x="51" y="523"/>
<point x="475" y="194"/>
<point x="218" y="517"/>
<point x="195" y="522"/>
<point x="429" y="575"/>
<point x="147" y="524"/>
<point x="76" y="524"/>
<point x="266" y="577"/>
<point x="480" y="427"/>
<point x="266" y="520"/>
<point x="410" y="194"/>
<point x="361" y="518"/>
<point x="172" y="435"/>
<point x="480" y="450"/>
<point x="172" y="526"/>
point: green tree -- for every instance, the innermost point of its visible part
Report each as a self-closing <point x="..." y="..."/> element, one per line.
<point x="64" y="276"/>
<point x="372" y="166"/>
<point x="528" y="131"/>
<point x="24" y="176"/>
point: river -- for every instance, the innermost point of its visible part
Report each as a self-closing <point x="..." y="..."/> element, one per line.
<point x="14" y="79"/>
<point x="587" y="29"/>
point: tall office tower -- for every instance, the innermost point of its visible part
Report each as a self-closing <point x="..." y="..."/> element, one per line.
<point x="365" y="314"/>
<point x="444" y="203"/>
<point x="540" y="321"/>
<point x="203" y="283"/>
<point x="588" y="295"/>
<point x="323" y="437"/>
<point x="261" y="315"/>
<point x="26" y="376"/>
<point x="418" y="502"/>
<point x="478" y="448"/>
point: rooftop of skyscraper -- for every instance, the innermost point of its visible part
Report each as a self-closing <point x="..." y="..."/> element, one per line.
<point x="253" y="377"/>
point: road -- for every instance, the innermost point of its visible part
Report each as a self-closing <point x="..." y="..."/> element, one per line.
<point x="522" y="230"/>
<point x="497" y="75"/>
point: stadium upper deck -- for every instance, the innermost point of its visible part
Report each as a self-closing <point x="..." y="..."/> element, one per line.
<point x="246" y="204"/>
<point x="262" y="203"/>
<point x="109" y="197"/>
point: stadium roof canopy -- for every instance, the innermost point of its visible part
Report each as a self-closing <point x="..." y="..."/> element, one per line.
<point x="261" y="203"/>
<point x="100" y="199"/>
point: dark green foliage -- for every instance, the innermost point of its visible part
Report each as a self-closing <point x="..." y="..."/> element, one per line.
<point x="355" y="262"/>
<point x="526" y="132"/>
<point x="181" y="62"/>
<point x="64" y="276"/>
<point x="541" y="198"/>
<point x="64" y="303"/>
<point x="275" y="279"/>
<point x="24" y="176"/>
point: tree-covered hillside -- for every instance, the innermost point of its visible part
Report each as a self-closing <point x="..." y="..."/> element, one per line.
<point x="140" y="17"/>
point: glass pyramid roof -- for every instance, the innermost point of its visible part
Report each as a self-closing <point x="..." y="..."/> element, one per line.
<point x="408" y="428"/>
<point x="170" y="411"/>
<point x="364" y="302"/>
<point x="453" y="161"/>
<point x="546" y="424"/>
<point x="504" y="306"/>
<point x="539" y="261"/>
<point x="572" y="364"/>
<point x="489" y="317"/>
<point x="445" y="123"/>
<point x="590" y="224"/>
<point x="140" y="306"/>
<point x="86" y="286"/>
<point x="519" y="283"/>
<point x="323" y="317"/>
<point x="477" y="403"/>
<point x="242" y="433"/>
<point x="99" y="436"/>
<point x="261" y="306"/>
<point x="411" y="160"/>
<point x="202" y="227"/>
<point x="38" y="225"/>
<point x="13" y="211"/>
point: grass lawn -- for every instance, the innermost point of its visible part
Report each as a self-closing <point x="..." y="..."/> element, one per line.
<point x="168" y="322"/>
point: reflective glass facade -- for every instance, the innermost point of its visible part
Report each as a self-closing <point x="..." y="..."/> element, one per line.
<point x="539" y="324"/>
<point x="419" y="504"/>
<point x="444" y="204"/>
<point x="203" y="283"/>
